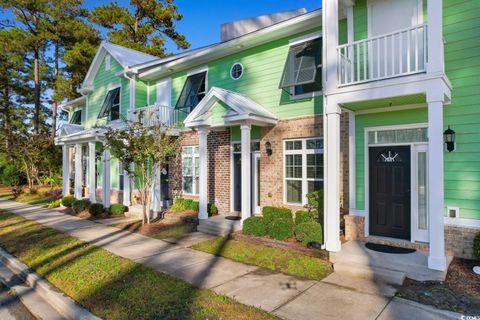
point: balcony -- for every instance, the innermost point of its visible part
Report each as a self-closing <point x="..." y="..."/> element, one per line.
<point x="165" y="116"/>
<point x="391" y="55"/>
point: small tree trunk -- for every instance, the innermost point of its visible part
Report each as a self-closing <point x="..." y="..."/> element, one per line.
<point x="36" y="78"/>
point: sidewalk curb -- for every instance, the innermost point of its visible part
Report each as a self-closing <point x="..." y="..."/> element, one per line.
<point x="58" y="300"/>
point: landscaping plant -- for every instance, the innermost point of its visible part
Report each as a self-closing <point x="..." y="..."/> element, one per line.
<point x="272" y="213"/>
<point x="281" y="229"/>
<point x="80" y="205"/>
<point x="67" y="201"/>
<point x="476" y="246"/>
<point x="212" y="209"/>
<point x="303" y="216"/>
<point x="254" y="226"/>
<point x="54" y="204"/>
<point x="117" y="209"/>
<point x="96" y="209"/>
<point x="308" y="232"/>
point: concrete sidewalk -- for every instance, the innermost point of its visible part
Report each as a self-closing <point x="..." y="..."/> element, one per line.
<point x="286" y="296"/>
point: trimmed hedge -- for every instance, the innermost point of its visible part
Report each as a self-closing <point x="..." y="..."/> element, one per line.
<point x="476" y="246"/>
<point x="117" y="208"/>
<point x="67" y="201"/>
<point x="96" y="209"/>
<point x="270" y="214"/>
<point x="281" y="229"/>
<point x="302" y="217"/>
<point x="80" y="205"/>
<point x="309" y="232"/>
<point x="254" y="226"/>
<point x="181" y="204"/>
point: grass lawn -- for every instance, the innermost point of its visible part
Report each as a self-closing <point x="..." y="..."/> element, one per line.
<point x="285" y="261"/>
<point x="36" y="198"/>
<point x="110" y="286"/>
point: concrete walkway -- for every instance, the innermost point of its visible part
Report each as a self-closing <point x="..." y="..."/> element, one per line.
<point x="286" y="296"/>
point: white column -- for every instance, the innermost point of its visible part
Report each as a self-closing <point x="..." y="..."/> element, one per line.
<point x="246" y="172"/>
<point x="92" y="183"/>
<point x="66" y="169"/>
<point x="435" y="37"/>
<point x="332" y="178"/>
<point x="106" y="178"/>
<point x="352" y="178"/>
<point x="203" y="171"/>
<point x="330" y="43"/>
<point x="78" y="171"/>
<point x="156" y="197"/>
<point x="436" y="257"/>
<point x="126" y="188"/>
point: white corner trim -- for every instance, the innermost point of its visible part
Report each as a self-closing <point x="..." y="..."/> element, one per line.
<point x="305" y="38"/>
<point x="462" y="222"/>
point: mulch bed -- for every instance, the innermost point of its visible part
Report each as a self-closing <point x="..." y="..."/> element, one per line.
<point x="289" y="244"/>
<point x="460" y="292"/>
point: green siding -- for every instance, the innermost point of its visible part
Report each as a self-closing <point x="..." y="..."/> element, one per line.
<point x="263" y="67"/>
<point x="217" y="112"/>
<point x="375" y="120"/>
<point x="462" y="63"/>
<point x="141" y="94"/>
<point x="342" y="31"/>
<point x="103" y="81"/>
<point x="360" y="22"/>
<point x="235" y="134"/>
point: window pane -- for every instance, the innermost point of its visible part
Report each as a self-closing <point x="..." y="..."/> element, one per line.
<point x="398" y="136"/>
<point x="195" y="150"/>
<point x="187" y="166"/>
<point x="293" y="165"/>
<point x="187" y="184"/>
<point x="422" y="191"/>
<point x="314" y="186"/>
<point x="293" y="145"/>
<point x="197" y="164"/>
<point x="313" y="144"/>
<point x="315" y="166"/>
<point x="187" y="150"/>
<point x="197" y="187"/>
<point x="294" y="191"/>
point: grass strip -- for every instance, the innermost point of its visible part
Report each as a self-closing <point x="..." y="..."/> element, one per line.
<point x="277" y="259"/>
<point x="110" y="286"/>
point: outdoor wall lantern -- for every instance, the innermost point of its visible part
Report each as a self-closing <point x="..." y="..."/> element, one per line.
<point x="268" y="148"/>
<point x="449" y="137"/>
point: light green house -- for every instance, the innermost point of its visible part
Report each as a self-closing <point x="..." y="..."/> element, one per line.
<point x="355" y="98"/>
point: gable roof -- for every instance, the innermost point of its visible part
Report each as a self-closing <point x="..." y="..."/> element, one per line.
<point x="241" y="108"/>
<point x="124" y="56"/>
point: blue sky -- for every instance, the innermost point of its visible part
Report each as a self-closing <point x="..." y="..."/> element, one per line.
<point x="202" y="19"/>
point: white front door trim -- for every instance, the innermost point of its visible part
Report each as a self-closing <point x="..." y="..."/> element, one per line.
<point x="412" y="168"/>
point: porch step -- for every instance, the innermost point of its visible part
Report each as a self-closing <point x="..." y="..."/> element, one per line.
<point x="219" y="226"/>
<point x="356" y="256"/>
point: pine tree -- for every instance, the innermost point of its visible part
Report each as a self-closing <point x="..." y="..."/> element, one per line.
<point x="146" y="29"/>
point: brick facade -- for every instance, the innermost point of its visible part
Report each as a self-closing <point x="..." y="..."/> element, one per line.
<point x="459" y="241"/>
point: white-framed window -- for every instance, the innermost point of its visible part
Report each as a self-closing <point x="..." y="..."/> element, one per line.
<point x="107" y="62"/>
<point x="190" y="170"/>
<point x="303" y="169"/>
<point x="302" y="73"/>
<point x="236" y="72"/>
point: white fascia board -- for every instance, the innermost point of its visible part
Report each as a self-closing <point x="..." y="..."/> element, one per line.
<point x="75" y="102"/>
<point x="259" y="37"/>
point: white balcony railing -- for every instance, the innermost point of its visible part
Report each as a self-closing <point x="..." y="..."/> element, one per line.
<point x="390" y="55"/>
<point x="156" y="115"/>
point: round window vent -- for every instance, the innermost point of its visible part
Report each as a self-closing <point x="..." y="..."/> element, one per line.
<point x="236" y="71"/>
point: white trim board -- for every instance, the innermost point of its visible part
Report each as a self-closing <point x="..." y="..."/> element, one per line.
<point x="462" y="222"/>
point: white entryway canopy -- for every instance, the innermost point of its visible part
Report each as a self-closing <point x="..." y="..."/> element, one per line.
<point x="222" y="108"/>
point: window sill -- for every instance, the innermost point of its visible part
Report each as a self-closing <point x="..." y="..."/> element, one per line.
<point x="306" y="95"/>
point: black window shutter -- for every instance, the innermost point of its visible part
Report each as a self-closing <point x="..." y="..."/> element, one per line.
<point x="112" y="97"/>
<point x="192" y="92"/>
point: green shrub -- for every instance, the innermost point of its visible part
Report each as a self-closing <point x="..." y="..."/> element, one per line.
<point x="96" y="209"/>
<point x="302" y="216"/>
<point x="80" y="205"/>
<point x="254" y="226"/>
<point x="117" y="209"/>
<point x="476" y="246"/>
<point x="195" y="206"/>
<point x="54" y="203"/>
<point x="280" y="229"/>
<point x="271" y="214"/>
<point x="12" y="175"/>
<point x="178" y="205"/>
<point x="309" y="232"/>
<point x="212" y="209"/>
<point x="315" y="202"/>
<point x="67" y="201"/>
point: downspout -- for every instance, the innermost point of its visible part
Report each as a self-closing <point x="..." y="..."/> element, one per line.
<point x="130" y="116"/>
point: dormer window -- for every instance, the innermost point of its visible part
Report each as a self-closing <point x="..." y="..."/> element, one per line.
<point x="76" y="117"/>
<point x="302" y="73"/>
<point x="111" y="105"/>
<point x="193" y="91"/>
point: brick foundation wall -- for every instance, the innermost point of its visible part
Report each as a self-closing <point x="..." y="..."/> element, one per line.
<point x="459" y="241"/>
<point x="354" y="227"/>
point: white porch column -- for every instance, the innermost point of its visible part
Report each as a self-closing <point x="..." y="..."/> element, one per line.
<point x="435" y="37"/>
<point x="106" y="178"/>
<point x="436" y="257"/>
<point x="156" y="196"/>
<point x="78" y="171"/>
<point x="203" y="172"/>
<point x="352" y="197"/>
<point x="66" y="170"/>
<point x="92" y="183"/>
<point x="246" y="172"/>
<point x="332" y="177"/>
<point x="126" y="189"/>
<point x="330" y="43"/>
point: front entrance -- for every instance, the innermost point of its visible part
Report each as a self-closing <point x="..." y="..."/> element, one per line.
<point x="390" y="191"/>
<point x="237" y="182"/>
